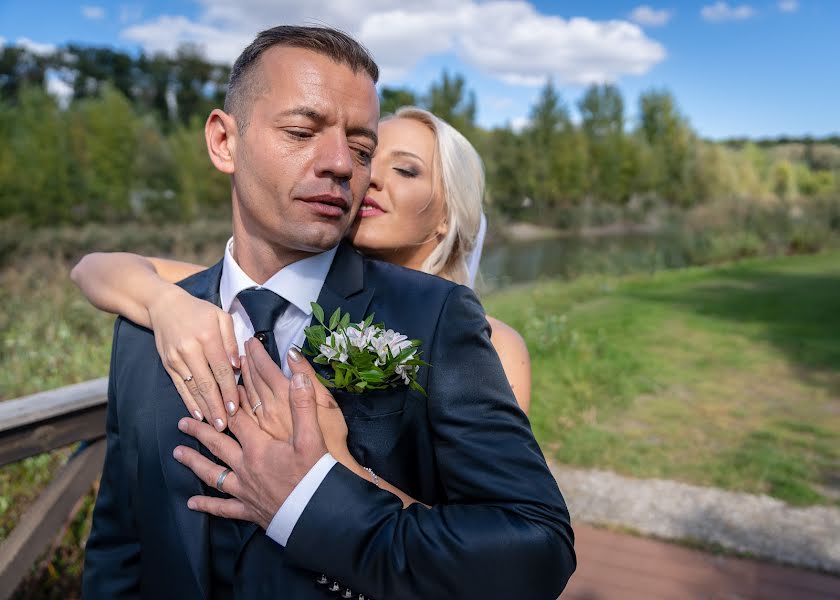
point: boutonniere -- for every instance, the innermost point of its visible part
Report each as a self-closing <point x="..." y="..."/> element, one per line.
<point x="363" y="356"/>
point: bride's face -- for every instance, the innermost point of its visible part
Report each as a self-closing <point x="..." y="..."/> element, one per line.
<point x="402" y="217"/>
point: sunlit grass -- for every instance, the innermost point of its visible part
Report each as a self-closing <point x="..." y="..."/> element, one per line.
<point x="722" y="376"/>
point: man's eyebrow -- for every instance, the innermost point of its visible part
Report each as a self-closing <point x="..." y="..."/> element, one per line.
<point x="303" y="111"/>
<point x="314" y="115"/>
<point x="370" y="133"/>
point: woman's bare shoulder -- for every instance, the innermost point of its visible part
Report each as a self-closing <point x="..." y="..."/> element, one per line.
<point x="506" y="336"/>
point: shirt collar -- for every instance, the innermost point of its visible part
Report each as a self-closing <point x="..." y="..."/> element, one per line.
<point x="300" y="282"/>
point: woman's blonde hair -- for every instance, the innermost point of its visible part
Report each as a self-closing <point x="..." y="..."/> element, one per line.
<point x="460" y="175"/>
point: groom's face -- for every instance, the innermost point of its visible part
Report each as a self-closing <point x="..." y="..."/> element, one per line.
<point x="302" y="166"/>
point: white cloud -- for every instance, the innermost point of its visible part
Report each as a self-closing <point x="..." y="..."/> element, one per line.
<point x="647" y="15"/>
<point x="508" y="40"/>
<point x="130" y="13"/>
<point x="2" y="41"/>
<point x="788" y="6"/>
<point x="93" y="12"/>
<point x="59" y="87"/>
<point x="35" y="47"/>
<point x="519" y="123"/>
<point x="722" y="11"/>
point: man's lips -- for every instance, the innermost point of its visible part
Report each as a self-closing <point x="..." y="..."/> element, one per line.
<point x="370" y="208"/>
<point x="327" y="205"/>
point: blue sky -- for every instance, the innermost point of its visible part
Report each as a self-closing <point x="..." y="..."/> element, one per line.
<point x="754" y="68"/>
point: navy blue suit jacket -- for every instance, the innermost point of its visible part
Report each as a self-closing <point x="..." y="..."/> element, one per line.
<point x="497" y="527"/>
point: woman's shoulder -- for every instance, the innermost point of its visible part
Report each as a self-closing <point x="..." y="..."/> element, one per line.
<point x="505" y="338"/>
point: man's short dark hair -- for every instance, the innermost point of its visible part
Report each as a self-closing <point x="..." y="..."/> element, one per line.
<point x="243" y="86"/>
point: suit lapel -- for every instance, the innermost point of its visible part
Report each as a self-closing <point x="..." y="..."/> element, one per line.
<point x="344" y="288"/>
<point x="181" y="483"/>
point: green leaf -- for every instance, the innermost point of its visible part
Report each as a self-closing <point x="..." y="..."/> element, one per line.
<point x="369" y="320"/>
<point x="335" y="318"/>
<point x="321" y="360"/>
<point x="318" y="312"/>
<point x="345" y="320"/>
<point x="372" y="375"/>
<point x="417" y="387"/>
<point x="325" y="382"/>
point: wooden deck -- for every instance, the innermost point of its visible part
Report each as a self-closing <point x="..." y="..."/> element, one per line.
<point x="625" y="567"/>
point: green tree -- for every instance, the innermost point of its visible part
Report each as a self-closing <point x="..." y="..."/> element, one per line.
<point x="392" y="98"/>
<point x="602" y="122"/>
<point x="38" y="173"/>
<point x="450" y="100"/>
<point x="104" y="134"/>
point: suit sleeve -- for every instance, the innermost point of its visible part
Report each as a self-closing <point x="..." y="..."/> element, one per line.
<point x="503" y="531"/>
<point x="112" y="553"/>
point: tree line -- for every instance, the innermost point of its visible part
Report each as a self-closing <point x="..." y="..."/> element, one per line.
<point x="125" y="141"/>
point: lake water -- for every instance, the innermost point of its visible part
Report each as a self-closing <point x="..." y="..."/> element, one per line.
<point x="505" y="264"/>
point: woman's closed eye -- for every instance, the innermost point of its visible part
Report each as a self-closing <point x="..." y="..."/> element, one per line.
<point x="406" y="172"/>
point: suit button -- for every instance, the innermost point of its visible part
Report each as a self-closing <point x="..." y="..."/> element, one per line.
<point x="262" y="337"/>
<point x="335" y="586"/>
<point x="322" y="580"/>
<point x="348" y="593"/>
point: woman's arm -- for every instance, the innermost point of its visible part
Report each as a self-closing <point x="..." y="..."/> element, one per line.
<point x="515" y="359"/>
<point x="129" y="284"/>
<point x="195" y="338"/>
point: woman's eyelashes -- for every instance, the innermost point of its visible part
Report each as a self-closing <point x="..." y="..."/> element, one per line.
<point x="407" y="172"/>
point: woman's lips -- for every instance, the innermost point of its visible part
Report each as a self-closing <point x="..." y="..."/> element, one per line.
<point x="370" y="208"/>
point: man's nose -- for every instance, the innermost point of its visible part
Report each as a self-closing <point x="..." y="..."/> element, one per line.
<point x="334" y="158"/>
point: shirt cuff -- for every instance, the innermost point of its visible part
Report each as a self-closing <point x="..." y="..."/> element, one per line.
<point x="287" y="516"/>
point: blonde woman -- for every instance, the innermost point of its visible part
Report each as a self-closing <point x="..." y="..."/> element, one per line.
<point x="422" y="211"/>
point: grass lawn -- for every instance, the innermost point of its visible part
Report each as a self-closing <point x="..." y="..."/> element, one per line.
<point x="724" y="376"/>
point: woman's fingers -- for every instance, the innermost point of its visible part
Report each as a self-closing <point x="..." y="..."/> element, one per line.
<point x="274" y="414"/>
<point x="190" y="402"/>
<point x="203" y="384"/>
<point x="229" y="338"/>
<point x="219" y="359"/>
<point x="251" y="392"/>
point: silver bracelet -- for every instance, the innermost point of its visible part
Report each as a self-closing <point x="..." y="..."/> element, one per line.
<point x="374" y="477"/>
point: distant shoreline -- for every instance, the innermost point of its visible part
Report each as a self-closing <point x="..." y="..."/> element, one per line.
<point x="519" y="232"/>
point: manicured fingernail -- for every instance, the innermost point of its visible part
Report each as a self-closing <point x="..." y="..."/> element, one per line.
<point x="234" y="361"/>
<point x="177" y="453"/>
<point x="299" y="380"/>
<point x="231" y="408"/>
<point x="182" y="425"/>
<point x="197" y="415"/>
<point x="191" y="504"/>
<point x="220" y="425"/>
<point x="294" y="354"/>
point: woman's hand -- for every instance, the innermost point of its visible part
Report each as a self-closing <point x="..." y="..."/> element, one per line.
<point x="268" y="390"/>
<point x="197" y="345"/>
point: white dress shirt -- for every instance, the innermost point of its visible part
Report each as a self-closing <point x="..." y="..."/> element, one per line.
<point x="300" y="283"/>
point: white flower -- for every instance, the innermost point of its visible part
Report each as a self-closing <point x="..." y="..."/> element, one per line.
<point x="391" y="342"/>
<point x="362" y="336"/>
<point x="336" y="346"/>
<point x="404" y="370"/>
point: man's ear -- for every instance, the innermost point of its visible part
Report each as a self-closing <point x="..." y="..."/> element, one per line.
<point x="220" y="134"/>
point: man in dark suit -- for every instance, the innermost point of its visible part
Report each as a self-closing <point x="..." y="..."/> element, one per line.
<point x="296" y="138"/>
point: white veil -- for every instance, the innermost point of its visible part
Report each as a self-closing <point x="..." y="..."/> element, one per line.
<point x="474" y="258"/>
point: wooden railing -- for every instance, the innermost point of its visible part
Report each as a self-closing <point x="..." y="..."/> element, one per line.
<point x="40" y="423"/>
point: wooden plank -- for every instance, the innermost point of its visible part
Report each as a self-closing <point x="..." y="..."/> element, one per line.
<point x="38" y="526"/>
<point x="612" y="565"/>
<point x="52" y="403"/>
<point x="34" y="438"/>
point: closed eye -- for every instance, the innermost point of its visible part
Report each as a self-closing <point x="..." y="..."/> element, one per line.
<point x="409" y="173"/>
